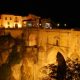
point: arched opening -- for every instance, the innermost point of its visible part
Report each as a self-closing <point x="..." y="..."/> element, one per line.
<point x="51" y="58"/>
<point x="16" y="25"/>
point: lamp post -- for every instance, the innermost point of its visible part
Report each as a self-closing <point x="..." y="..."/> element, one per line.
<point x="58" y="25"/>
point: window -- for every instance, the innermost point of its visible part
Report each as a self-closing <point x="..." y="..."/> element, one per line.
<point x="16" y="19"/>
<point x="8" y="23"/>
<point x="5" y="18"/>
<point x="16" y="25"/>
<point x="10" y="18"/>
<point x="57" y="43"/>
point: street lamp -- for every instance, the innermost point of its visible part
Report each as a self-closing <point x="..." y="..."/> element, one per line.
<point x="65" y="25"/>
<point x="58" y="24"/>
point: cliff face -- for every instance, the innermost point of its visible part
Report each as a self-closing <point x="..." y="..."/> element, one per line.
<point x="9" y="58"/>
<point x="16" y="61"/>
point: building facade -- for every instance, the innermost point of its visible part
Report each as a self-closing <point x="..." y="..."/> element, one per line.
<point x="15" y="21"/>
<point x="31" y="21"/>
<point x="10" y="21"/>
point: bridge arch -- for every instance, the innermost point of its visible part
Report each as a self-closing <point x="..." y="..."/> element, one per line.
<point x="51" y="57"/>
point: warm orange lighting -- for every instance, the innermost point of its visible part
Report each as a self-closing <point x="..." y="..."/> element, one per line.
<point x="19" y="26"/>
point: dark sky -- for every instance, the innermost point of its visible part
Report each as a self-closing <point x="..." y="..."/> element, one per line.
<point x="63" y="12"/>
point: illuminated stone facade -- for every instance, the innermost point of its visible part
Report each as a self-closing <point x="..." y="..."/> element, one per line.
<point x="15" y="21"/>
<point x="42" y="47"/>
<point x="51" y="41"/>
<point x="10" y="21"/>
<point x="31" y="21"/>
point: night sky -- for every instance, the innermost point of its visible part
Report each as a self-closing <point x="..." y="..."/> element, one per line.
<point x="60" y="12"/>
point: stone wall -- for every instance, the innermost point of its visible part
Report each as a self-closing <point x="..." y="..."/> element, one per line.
<point x="42" y="45"/>
<point x="66" y="41"/>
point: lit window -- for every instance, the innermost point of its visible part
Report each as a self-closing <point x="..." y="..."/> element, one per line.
<point x="8" y="23"/>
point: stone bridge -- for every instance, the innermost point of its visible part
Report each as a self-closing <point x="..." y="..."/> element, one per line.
<point x="44" y="44"/>
<point x="65" y="41"/>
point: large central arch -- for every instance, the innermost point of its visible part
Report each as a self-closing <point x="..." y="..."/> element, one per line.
<point x="51" y="57"/>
